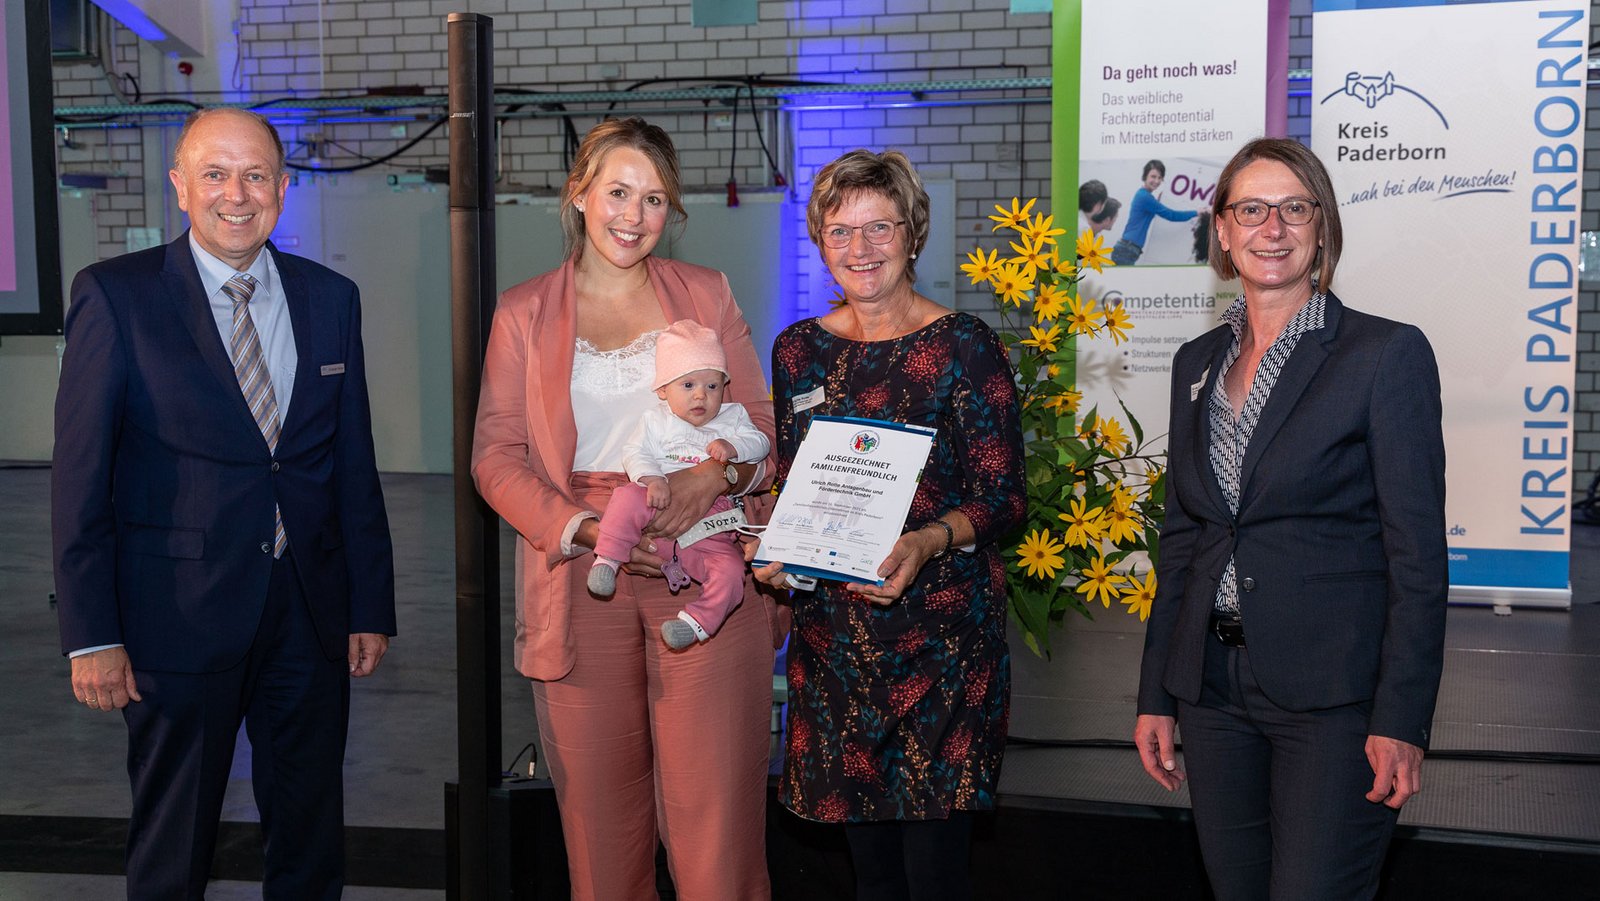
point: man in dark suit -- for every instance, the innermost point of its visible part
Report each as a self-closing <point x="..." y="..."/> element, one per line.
<point x="1297" y="634"/>
<point x="221" y="548"/>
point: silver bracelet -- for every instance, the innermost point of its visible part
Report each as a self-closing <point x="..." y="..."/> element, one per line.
<point x="949" y="536"/>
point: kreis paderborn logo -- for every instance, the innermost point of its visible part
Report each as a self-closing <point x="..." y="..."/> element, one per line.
<point x="1393" y="134"/>
<point x="1374" y="89"/>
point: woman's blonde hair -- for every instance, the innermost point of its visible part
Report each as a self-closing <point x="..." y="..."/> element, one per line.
<point x="634" y="132"/>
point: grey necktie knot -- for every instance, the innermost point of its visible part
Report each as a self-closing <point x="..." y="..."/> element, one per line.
<point x="240" y="288"/>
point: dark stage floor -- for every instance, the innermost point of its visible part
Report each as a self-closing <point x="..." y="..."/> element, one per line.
<point x="1510" y="807"/>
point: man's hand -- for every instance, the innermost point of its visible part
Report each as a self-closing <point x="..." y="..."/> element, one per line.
<point x="103" y="680"/>
<point x="366" y="651"/>
<point x="1152" y="735"/>
<point x="1396" y="770"/>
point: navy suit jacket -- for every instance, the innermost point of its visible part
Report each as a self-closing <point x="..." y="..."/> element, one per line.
<point x="163" y="488"/>
<point x="1339" y="543"/>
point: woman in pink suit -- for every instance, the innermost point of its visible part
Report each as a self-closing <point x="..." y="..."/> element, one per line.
<point x="641" y="742"/>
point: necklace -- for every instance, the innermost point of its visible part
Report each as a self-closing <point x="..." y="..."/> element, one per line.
<point x="894" y="332"/>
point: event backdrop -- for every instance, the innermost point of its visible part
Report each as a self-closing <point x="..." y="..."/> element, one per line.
<point x="1459" y="169"/>
<point x="1185" y="85"/>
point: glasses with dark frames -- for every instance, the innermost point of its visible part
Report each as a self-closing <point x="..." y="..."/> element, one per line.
<point x="1294" y="211"/>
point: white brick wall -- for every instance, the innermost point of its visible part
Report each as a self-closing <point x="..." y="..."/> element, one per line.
<point x="573" y="44"/>
<point x="115" y="153"/>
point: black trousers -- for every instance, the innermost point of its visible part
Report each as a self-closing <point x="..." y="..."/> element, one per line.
<point x="295" y="704"/>
<point x="1279" y="796"/>
<point x="912" y="860"/>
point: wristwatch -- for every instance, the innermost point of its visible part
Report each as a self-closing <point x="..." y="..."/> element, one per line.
<point x="731" y="473"/>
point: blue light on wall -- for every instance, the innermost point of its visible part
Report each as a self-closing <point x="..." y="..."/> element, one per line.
<point x="134" y="18"/>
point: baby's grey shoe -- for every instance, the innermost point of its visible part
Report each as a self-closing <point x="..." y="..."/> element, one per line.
<point x="677" y="634"/>
<point x="603" y="580"/>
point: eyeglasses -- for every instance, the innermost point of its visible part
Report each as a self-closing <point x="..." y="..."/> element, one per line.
<point x="1294" y="211"/>
<point x="879" y="232"/>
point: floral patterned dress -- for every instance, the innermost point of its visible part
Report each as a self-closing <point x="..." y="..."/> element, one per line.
<point x="899" y="712"/>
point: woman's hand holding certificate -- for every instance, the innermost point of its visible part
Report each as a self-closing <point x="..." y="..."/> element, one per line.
<point x="843" y="507"/>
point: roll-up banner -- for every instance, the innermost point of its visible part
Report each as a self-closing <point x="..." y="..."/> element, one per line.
<point x="1454" y="135"/>
<point x="1168" y="92"/>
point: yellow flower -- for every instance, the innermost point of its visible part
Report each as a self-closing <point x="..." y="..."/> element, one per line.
<point x="1052" y="370"/>
<point x="1122" y="524"/>
<point x="1117" y="323"/>
<point x="1040" y="554"/>
<point x="1121" y="496"/>
<point x="1138" y="595"/>
<point x="980" y="269"/>
<point x="1065" y="403"/>
<point x="1012" y="283"/>
<point x="1042" y="339"/>
<point x="1048" y="303"/>
<point x="1082" y="317"/>
<point x="1111" y="434"/>
<point x="1098" y="579"/>
<point x="1083" y="526"/>
<point x="1090" y="252"/>
<point x="1040" y="229"/>
<point x="1031" y="253"/>
<point x="1014" y="217"/>
<point x="1066" y="268"/>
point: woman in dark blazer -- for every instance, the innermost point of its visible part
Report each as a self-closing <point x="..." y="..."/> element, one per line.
<point x="1298" y="629"/>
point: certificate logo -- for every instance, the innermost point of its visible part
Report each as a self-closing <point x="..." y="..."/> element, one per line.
<point x="865" y="442"/>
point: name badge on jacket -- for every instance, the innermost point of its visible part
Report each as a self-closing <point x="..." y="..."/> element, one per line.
<point x="332" y="368"/>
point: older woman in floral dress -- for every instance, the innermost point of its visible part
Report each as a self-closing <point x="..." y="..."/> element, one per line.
<point x="899" y="692"/>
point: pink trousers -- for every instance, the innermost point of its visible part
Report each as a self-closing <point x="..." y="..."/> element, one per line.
<point x="717" y="563"/>
<point x="643" y="742"/>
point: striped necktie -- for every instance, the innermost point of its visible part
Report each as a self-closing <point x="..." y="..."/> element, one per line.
<point x="250" y="368"/>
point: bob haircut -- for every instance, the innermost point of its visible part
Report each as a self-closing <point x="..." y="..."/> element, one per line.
<point x="634" y="132"/>
<point x="1312" y="174"/>
<point x="888" y="174"/>
<point x="194" y="118"/>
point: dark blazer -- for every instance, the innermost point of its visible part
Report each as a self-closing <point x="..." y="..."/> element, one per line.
<point x="1339" y="543"/>
<point x="163" y="487"/>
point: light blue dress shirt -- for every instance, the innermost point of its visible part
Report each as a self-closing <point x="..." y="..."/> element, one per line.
<point x="269" y="310"/>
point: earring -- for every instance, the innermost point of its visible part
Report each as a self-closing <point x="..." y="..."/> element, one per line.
<point x="913" y="256"/>
<point x="580" y="207"/>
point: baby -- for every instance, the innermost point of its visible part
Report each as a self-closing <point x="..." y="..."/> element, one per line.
<point x="690" y="426"/>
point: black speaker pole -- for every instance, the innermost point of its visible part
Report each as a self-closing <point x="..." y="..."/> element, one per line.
<point x="478" y="863"/>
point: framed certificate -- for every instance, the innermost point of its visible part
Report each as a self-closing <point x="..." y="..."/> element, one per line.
<point x="844" y="504"/>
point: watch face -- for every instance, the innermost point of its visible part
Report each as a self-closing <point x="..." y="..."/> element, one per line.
<point x="731" y="474"/>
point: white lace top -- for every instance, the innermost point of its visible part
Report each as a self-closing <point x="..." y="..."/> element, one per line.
<point x="610" y="390"/>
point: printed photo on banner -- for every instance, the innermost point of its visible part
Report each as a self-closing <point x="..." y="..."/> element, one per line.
<point x="1154" y="212"/>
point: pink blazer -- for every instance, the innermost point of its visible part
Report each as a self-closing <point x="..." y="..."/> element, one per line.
<point x="525" y="436"/>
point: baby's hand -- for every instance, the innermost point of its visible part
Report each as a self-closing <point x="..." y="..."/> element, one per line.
<point x="657" y="493"/>
<point x="721" y="450"/>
